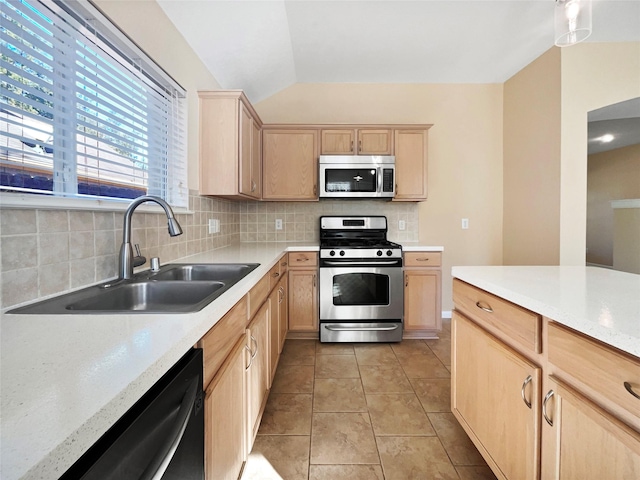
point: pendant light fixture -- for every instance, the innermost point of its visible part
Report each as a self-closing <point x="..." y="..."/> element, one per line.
<point x="572" y="21"/>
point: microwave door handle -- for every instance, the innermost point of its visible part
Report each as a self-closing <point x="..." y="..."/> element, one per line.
<point x="379" y="180"/>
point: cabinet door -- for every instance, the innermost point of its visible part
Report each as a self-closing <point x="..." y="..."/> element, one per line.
<point x="583" y="441"/>
<point x="491" y="385"/>
<point x="246" y="137"/>
<point x="411" y="164"/>
<point x="224" y="414"/>
<point x="258" y="370"/>
<point x="303" y="300"/>
<point x="256" y="160"/>
<point x="375" y="142"/>
<point x="338" y="142"/>
<point x="283" y="312"/>
<point x="290" y="165"/>
<point x="274" y="333"/>
<point x="422" y="309"/>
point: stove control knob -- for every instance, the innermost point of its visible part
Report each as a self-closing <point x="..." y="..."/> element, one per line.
<point x="342" y="253"/>
<point x="332" y="253"/>
<point x="389" y="253"/>
<point x="379" y="253"/>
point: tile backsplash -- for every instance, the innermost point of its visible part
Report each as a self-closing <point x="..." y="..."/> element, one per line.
<point x="300" y="220"/>
<point x="46" y="252"/>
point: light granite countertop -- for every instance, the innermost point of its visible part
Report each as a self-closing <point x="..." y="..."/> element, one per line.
<point x="601" y="303"/>
<point x="67" y="378"/>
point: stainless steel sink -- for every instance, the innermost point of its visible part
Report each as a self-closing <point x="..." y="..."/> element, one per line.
<point x="149" y="297"/>
<point x="177" y="288"/>
<point x="204" y="272"/>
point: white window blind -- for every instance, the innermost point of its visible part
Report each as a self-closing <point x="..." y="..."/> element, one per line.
<point x="84" y="112"/>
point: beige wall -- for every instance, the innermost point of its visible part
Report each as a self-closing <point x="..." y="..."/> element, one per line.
<point x="147" y="25"/>
<point x="593" y="75"/>
<point x="465" y="154"/>
<point x="531" y="226"/>
<point x="612" y="175"/>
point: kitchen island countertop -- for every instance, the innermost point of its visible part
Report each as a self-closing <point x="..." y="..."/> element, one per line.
<point x="67" y="378"/>
<point x="601" y="303"/>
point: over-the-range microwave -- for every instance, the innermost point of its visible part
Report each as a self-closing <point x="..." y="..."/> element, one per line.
<point x="357" y="176"/>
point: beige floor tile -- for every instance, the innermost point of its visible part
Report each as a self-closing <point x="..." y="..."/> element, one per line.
<point x="398" y="414"/>
<point x="409" y="347"/>
<point x="475" y="473"/>
<point x="375" y="354"/>
<point x="278" y="457"/>
<point x="338" y="395"/>
<point x="384" y="379"/>
<point x="434" y="393"/>
<point x="414" y="458"/>
<point x="334" y="349"/>
<point x="298" y="352"/>
<point x="342" y="438"/>
<point x="441" y="349"/>
<point x="345" y="472"/>
<point x="423" y="365"/>
<point x="455" y="440"/>
<point x="336" y="366"/>
<point x="293" y="379"/>
<point x="287" y="414"/>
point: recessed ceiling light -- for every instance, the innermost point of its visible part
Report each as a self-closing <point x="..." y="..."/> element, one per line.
<point x="607" y="138"/>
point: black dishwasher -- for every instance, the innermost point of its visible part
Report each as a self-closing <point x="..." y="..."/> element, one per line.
<point x="160" y="437"/>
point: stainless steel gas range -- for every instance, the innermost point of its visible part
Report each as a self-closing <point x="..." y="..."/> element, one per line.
<point x="361" y="290"/>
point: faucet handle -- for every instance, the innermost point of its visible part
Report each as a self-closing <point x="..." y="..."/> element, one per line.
<point x="137" y="247"/>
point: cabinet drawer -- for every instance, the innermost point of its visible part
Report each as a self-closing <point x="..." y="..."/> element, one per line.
<point x="219" y="341"/>
<point x="600" y="367"/>
<point x="259" y="293"/>
<point x="520" y="324"/>
<point x="303" y="259"/>
<point x="422" y="259"/>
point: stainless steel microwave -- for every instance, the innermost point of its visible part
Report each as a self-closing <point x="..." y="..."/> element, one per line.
<point x="357" y="176"/>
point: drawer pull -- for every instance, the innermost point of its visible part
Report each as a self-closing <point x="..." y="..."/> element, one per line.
<point x="481" y="307"/>
<point x="302" y="259"/>
<point x="549" y="394"/>
<point x="629" y="388"/>
<point x="524" y="385"/>
<point x="422" y="259"/>
<point x="283" y="264"/>
<point x="275" y="274"/>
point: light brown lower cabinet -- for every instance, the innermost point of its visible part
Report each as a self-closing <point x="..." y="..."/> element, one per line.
<point x="257" y="371"/>
<point x="224" y="414"/>
<point x="581" y="440"/>
<point x="283" y="312"/>
<point x="495" y="397"/>
<point x="303" y="300"/>
<point x="422" y="294"/>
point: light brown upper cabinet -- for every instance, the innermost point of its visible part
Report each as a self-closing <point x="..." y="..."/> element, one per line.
<point x="411" y="164"/>
<point x="351" y="141"/>
<point x="289" y="164"/>
<point x="230" y="145"/>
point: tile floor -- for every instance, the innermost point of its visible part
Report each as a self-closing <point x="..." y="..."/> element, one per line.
<point x="363" y="411"/>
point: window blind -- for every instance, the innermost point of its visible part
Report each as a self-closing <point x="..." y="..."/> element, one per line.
<point x="84" y="112"/>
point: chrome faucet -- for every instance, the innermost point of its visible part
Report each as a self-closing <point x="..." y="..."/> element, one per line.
<point x="126" y="252"/>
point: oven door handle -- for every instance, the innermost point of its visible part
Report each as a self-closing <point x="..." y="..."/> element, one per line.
<point x="361" y="329"/>
<point x="349" y="263"/>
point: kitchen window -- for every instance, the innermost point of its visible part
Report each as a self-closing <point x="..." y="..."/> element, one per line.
<point x="84" y="113"/>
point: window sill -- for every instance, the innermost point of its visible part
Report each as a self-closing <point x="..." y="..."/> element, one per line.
<point x="46" y="202"/>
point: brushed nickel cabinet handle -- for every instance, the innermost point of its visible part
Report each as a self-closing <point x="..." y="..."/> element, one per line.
<point x="486" y="309"/>
<point x="629" y="388"/>
<point x="253" y="186"/>
<point x="524" y="385"/>
<point x="253" y="354"/>
<point x="250" y="357"/>
<point x="549" y="394"/>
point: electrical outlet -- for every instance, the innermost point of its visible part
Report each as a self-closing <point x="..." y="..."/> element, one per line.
<point x="465" y="223"/>
<point x="278" y="224"/>
<point x="402" y="225"/>
<point x="214" y="225"/>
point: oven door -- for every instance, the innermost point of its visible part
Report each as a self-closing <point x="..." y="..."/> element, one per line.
<point x="361" y="294"/>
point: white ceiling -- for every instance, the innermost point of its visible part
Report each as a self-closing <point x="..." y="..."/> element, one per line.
<point x="265" y="46"/>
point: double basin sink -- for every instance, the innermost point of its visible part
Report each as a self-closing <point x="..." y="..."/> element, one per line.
<point x="175" y="288"/>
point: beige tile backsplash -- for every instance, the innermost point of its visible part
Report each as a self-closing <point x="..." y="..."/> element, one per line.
<point x="45" y="252"/>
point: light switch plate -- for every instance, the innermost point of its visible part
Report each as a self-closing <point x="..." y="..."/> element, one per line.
<point x="465" y="223"/>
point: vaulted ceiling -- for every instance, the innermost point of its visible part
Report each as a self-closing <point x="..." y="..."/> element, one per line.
<point x="265" y="46"/>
